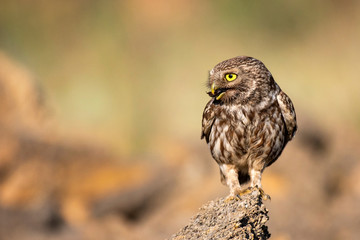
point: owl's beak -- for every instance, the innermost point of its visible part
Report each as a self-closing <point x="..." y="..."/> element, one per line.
<point x="213" y="88"/>
<point x="220" y="96"/>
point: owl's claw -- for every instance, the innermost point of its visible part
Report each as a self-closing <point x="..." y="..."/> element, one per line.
<point x="237" y="194"/>
<point x="244" y="191"/>
<point x="264" y="196"/>
<point x="231" y="198"/>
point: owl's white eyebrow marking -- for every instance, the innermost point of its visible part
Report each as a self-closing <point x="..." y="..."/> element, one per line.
<point x="212" y="72"/>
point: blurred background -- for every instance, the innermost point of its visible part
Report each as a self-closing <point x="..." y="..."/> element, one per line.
<point x="101" y="106"/>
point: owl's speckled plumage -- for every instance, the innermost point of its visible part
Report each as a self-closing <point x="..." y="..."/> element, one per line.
<point x="247" y="122"/>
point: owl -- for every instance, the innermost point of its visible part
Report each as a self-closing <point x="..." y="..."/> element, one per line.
<point x="247" y="123"/>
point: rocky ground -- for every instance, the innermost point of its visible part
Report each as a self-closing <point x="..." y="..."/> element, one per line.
<point x="243" y="218"/>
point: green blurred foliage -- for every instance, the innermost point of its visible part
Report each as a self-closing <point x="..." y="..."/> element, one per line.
<point x="130" y="72"/>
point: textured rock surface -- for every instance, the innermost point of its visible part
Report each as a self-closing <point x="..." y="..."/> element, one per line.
<point x="234" y="219"/>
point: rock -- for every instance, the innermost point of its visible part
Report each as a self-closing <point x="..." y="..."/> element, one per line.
<point x="243" y="218"/>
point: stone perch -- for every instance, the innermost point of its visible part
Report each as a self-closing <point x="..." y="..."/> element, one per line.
<point x="234" y="219"/>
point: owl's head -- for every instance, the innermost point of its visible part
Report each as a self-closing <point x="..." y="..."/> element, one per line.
<point x="240" y="79"/>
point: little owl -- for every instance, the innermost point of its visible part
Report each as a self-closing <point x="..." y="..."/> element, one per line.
<point x="247" y="122"/>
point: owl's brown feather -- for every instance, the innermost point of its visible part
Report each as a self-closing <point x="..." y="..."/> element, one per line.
<point x="288" y="113"/>
<point x="207" y="120"/>
<point x="248" y="121"/>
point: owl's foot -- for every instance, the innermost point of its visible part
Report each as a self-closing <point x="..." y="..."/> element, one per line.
<point x="237" y="194"/>
<point x="244" y="192"/>
<point x="231" y="198"/>
<point x="264" y="196"/>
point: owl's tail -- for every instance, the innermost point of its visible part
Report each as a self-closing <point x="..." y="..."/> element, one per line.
<point x="243" y="177"/>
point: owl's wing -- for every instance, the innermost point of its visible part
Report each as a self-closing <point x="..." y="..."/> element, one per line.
<point x="208" y="120"/>
<point x="288" y="113"/>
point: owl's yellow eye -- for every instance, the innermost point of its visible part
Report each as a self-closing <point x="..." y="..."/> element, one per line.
<point x="230" y="77"/>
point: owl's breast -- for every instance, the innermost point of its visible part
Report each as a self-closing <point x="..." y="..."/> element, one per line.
<point x="267" y="135"/>
<point x="241" y="134"/>
<point x="228" y="138"/>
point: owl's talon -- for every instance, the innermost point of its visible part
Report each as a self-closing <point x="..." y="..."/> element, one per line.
<point x="244" y="191"/>
<point x="263" y="195"/>
<point x="237" y="194"/>
<point x="231" y="198"/>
